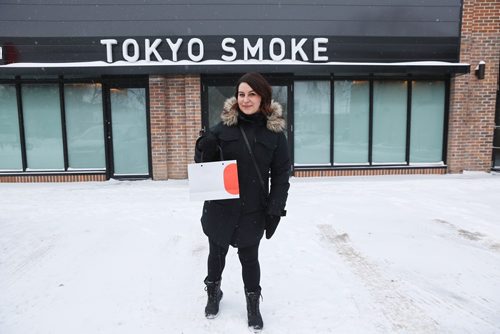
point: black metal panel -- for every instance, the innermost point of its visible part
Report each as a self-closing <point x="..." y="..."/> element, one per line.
<point x="428" y="18"/>
<point x="358" y="30"/>
<point x="229" y="69"/>
<point x="352" y="49"/>
<point x="332" y="3"/>
<point x="230" y="13"/>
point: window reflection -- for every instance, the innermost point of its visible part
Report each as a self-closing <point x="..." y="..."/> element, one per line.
<point x="312" y="123"/>
<point x="84" y="126"/>
<point x="10" y="143"/>
<point x="42" y="126"/>
<point x="389" y="121"/>
<point x="351" y="122"/>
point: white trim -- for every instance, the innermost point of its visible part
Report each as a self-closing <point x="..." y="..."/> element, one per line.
<point x="221" y="62"/>
<point x="354" y="164"/>
<point x="400" y="163"/>
<point x="45" y="170"/>
<point x="97" y="169"/>
<point x="427" y="164"/>
<point x="312" y="165"/>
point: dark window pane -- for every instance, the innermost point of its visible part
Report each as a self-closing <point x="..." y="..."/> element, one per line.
<point x="496" y="158"/>
<point x="217" y="95"/>
<point x="496" y="139"/>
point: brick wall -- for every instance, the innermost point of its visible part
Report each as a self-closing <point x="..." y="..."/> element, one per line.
<point x="472" y="105"/>
<point x="175" y="113"/>
<point x="158" y="120"/>
<point x="368" y="172"/>
<point x="52" y="178"/>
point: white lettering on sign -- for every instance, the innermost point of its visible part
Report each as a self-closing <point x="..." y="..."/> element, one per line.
<point x="317" y="49"/>
<point x="151" y="49"/>
<point x="109" y="48"/>
<point x="125" y="48"/>
<point x="201" y="51"/>
<point x="232" y="49"/>
<point x="253" y="50"/>
<point x="281" y="55"/>
<point x="174" y="47"/>
<point x="298" y="48"/>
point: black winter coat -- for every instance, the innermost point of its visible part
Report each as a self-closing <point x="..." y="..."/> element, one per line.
<point x="240" y="222"/>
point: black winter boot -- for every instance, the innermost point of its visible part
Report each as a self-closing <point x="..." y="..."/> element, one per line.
<point x="255" y="322"/>
<point x="214" y="297"/>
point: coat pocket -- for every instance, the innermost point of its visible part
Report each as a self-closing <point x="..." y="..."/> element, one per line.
<point x="229" y="145"/>
<point x="264" y="151"/>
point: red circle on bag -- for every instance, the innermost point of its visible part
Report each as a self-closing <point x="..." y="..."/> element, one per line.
<point x="231" y="179"/>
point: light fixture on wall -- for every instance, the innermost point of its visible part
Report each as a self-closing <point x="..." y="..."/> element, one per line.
<point x="480" y="68"/>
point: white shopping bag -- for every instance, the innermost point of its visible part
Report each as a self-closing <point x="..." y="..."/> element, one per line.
<point x="213" y="180"/>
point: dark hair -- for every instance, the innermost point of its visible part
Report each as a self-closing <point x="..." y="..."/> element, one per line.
<point x="260" y="85"/>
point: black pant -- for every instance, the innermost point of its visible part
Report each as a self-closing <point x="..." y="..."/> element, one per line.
<point x="249" y="259"/>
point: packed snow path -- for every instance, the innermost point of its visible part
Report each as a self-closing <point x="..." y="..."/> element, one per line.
<point x="399" y="254"/>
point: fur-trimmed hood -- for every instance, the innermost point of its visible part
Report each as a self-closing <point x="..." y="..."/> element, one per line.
<point x="275" y="121"/>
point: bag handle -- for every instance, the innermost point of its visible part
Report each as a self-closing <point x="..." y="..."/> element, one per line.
<point x="266" y="191"/>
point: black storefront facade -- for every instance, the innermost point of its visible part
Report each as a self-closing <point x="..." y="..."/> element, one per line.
<point x="365" y="86"/>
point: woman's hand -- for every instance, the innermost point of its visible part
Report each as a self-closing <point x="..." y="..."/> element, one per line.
<point x="207" y="144"/>
<point x="271" y="225"/>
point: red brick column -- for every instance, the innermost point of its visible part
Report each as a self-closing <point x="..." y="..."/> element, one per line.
<point x="175" y="130"/>
<point x="193" y="114"/>
<point x="158" y="124"/>
<point x="175" y="108"/>
<point x="472" y="101"/>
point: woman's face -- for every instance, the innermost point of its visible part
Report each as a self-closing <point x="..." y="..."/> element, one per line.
<point x="248" y="100"/>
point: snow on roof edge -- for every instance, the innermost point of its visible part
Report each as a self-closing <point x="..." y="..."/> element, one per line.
<point x="221" y="62"/>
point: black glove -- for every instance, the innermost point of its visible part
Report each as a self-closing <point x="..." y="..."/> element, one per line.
<point x="207" y="144"/>
<point x="271" y="225"/>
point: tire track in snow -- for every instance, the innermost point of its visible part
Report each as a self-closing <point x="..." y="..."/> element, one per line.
<point x="474" y="237"/>
<point x="400" y="310"/>
<point x="22" y="261"/>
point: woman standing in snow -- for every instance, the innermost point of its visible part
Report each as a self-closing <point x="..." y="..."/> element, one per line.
<point x="251" y="132"/>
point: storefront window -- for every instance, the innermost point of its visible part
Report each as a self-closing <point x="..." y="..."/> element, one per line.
<point x="10" y="144"/>
<point x="312" y="122"/>
<point x="84" y="126"/>
<point x="496" y="136"/>
<point x="217" y="95"/>
<point x="42" y="126"/>
<point x="130" y="141"/>
<point x="363" y="133"/>
<point x="280" y="95"/>
<point x="496" y="158"/>
<point x="427" y="120"/>
<point x="351" y="122"/>
<point x="389" y="121"/>
<point x="496" y="147"/>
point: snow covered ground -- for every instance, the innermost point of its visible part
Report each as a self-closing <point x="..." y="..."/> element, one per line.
<point x="399" y="254"/>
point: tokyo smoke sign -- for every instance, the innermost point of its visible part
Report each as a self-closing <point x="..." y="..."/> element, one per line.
<point x="228" y="49"/>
